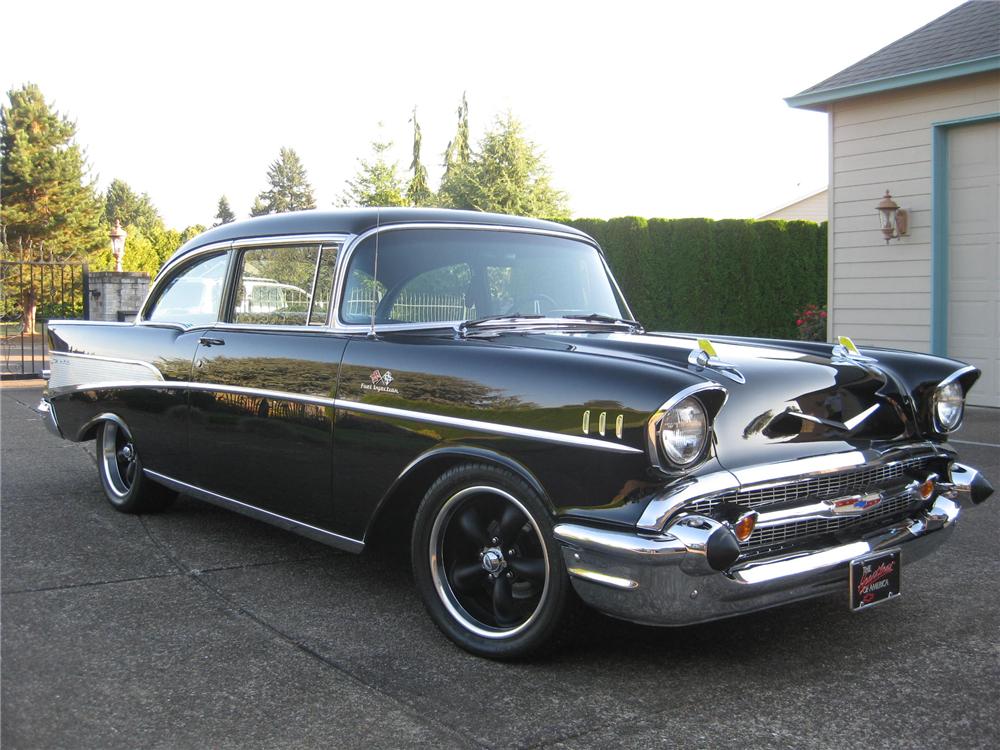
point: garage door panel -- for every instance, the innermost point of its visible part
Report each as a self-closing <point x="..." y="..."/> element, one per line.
<point x="974" y="254"/>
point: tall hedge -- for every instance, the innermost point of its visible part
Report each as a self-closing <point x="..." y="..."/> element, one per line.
<point x="735" y="276"/>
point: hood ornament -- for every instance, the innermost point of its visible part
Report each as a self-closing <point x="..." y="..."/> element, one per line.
<point x="704" y="356"/>
<point x="846" y="349"/>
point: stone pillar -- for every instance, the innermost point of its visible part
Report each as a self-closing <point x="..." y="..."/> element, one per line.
<point x="117" y="296"/>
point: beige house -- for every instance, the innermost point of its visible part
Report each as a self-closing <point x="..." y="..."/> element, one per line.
<point x="810" y="207"/>
<point x="921" y="119"/>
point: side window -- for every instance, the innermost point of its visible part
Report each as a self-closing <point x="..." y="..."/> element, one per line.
<point x="435" y="296"/>
<point x="192" y="296"/>
<point x="361" y="295"/>
<point x="275" y="285"/>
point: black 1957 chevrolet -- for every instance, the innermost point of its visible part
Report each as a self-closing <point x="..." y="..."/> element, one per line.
<point x="480" y="380"/>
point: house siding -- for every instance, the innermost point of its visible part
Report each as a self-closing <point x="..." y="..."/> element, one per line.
<point x="880" y="294"/>
<point x="810" y="208"/>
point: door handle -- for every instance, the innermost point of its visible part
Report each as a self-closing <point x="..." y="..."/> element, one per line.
<point x="205" y="341"/>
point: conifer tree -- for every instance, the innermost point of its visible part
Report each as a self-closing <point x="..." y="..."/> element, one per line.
<point x="377" y="182"/>
<point x="225" y="214"/>
<point x="417" y="192"/>
<point x="289" y="188"/>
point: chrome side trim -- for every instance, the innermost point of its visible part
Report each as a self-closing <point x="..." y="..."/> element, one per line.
<point x="313" y="532"/>
<point x="69" y="369"/>
<point x="477" y="426"/>
<point x="357" y="406"/>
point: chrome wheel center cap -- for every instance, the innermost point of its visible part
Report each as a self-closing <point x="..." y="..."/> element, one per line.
<point x="128" y="453"/>
<point x="493" y="561"/>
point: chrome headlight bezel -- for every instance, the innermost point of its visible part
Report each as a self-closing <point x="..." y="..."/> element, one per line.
<point x="683" y="432"/>
<point x="706" y="399"/>
<point x="948" y="395"/>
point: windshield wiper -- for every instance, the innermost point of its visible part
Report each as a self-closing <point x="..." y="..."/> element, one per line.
<point x="600" y="318"/>
<point x="495" y="318"/>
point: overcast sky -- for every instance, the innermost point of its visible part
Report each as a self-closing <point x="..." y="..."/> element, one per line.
<point x="652" y="109"/>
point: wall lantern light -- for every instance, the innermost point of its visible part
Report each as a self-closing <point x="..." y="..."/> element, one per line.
<point x="892" y="217"/>
<point x="118" y="236"/>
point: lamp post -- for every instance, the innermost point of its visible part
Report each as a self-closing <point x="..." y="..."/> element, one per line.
<point x="118" y="236"/>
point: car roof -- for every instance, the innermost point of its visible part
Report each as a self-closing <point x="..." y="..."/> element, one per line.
<point x="357" y="221"/>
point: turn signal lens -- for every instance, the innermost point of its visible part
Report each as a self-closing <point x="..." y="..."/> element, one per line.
<point x="744" y="527"/>
<point x="927" y="488"/>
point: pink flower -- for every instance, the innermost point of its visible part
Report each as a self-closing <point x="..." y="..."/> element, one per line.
<point x="822" y="313"/>
<point x="798" y="322"/>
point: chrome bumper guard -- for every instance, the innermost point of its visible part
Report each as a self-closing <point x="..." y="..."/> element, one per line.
<point x="670" y="579"/>
<point x="48" y="414"/>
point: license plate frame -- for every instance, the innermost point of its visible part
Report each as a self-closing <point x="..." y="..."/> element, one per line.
<point x="875" y="578"/>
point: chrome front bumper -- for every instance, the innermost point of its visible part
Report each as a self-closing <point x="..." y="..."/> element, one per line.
<point x="666" y="579"/>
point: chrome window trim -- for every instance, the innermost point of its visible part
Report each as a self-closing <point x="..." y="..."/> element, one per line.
<point x="167" y="271"/>
<point x="300" y="527"/>
<point x="358" y="406"/>
<point x="348" y="251"/>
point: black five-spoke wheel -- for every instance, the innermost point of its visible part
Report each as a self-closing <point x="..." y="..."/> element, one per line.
<point x="486" y="565"/>
<point x="120" y="469"/>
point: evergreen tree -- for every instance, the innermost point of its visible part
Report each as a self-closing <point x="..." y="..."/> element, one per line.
<point x="50" y="209"/>
<point x="289" y="189"/>
<point x="417" y="192"/>
<point x="225" y="214"/>
<point x="49" y="202"/>
<point x="121" y="202"/>
<point x="376" y="183"/>
<point x="459" y="150"/>
<point x="507" y="175"/>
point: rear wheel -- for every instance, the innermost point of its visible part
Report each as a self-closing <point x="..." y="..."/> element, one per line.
<point x="486" y="565"/>
<point x="120" y="469"/>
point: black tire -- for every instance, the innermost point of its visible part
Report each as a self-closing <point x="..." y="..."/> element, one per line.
<point x="486" y="564"/>
<point x="120" y="469"/>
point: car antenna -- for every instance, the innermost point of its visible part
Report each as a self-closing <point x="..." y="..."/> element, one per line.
<point x="371" y="330"/>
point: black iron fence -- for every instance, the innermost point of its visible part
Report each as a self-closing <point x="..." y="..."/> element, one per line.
<point x="31" y="294"/>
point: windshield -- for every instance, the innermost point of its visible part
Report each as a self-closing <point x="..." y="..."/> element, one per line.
<point x="453" y="275"/>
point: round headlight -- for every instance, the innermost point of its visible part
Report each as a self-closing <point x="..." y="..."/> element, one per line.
<point x="949" y="405"/>
<point x="684" y="431"/>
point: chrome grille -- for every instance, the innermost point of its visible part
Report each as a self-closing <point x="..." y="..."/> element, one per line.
<point x="897" y="505"/>
<point x="816" y="487"/>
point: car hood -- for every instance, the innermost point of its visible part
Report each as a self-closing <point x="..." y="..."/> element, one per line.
<point x="786" y="400"/>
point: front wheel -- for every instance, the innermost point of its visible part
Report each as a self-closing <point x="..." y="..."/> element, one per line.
<point x="126" y="487"/>
<point x="486" y="565"/>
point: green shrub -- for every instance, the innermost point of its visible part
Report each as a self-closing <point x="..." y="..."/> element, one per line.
<point x="735" y="276"/>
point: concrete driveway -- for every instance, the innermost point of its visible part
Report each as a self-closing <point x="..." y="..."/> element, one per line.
<point x="199" y="628"/>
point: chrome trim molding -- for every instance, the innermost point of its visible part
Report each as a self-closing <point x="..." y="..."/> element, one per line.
<point x="313" y="532"/>
<point x="614" y="582"/>
<point x="653" y="426"/>
<point x="358" y="406"/>
<point x="69" y="369"/>
<point x="950" y="379"/>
